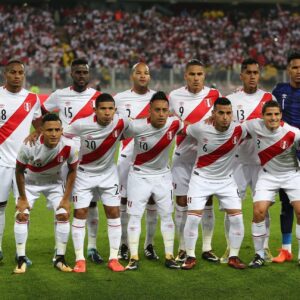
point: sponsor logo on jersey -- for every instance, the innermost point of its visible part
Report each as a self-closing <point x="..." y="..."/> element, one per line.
<point x="27" y="106"/>
<point x="239" y="106"/>
<point x="284" y="96"/>
<point x="38" y="162"/>
<point x="181" y="103"/>
<point x="127" y="105"/>
<point x="2" y="105"/>
<point x="89" y="137"/>
<point x="67" y="103"/>
<point x="143" y="139"/>
<point x="205" y="140"/>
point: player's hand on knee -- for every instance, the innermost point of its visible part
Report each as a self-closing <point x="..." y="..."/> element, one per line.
<point x="22" y="216"/>
<point x="62" y="214"/>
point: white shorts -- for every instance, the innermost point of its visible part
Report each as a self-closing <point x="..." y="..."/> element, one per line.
<point x="52" y="191"/>
<point x="140" y="189"/>
<point x="268" y="185"/>
<point x="124" y="164"/>
<point x="201" y="188"/>
<point x="245" y="175"/>
<point x="181" y="173"/>
<point x="8" y="182"/>
<point x="90" y="187"/>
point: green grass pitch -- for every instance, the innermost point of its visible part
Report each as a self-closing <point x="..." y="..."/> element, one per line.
<point x="152" y="280"/>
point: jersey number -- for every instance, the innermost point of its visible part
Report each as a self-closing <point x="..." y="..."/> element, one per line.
<point x="117" y="189"/>
<point x="144" y="146"/>
<point x="90" y="144"/>
<point x="68" y="112"/>
<point x="129" y="112"/>
<point x="258" y="143"/>
<point x="181" y="110"/>
<point x="240" y="114"/>
<point x="204" y="148"/>
<point x="3" y="114"/>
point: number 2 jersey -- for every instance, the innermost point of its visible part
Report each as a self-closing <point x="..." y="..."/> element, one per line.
<point x="44" y="164"/>
<point x="152" y="145"/>
<point x="17" y="111"/>
<point x="97" y="143"/>
<point x="246" y="107"/>
<point x="132" y="105"/>
<point x="191" y="108"/>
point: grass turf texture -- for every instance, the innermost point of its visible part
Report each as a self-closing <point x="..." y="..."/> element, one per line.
<point x="152" y="280"/>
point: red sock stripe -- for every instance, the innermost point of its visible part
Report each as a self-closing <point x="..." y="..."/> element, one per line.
<point x="194" y="214"/>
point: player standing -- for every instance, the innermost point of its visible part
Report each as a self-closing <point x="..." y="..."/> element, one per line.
<point x="246" y="105"/>
<point x="97" y="176"/>
<point x="192" y="103"/>
<point x="213" y="175"/>
<point x="134" y="103"/>
<point x="288" y="96"/>
<point x="18" y="110"/>
<point x="42" y="164"/>
<point x="73" y="103"/>
<point x="149" y="176"/>
<point x="276" y="144"/>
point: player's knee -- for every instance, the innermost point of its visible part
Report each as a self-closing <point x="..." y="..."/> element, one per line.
<point x="81" y="213"/>
<point x="259" y="213"/>
<point x="62" y="217"/>
<point x="181" y="201"/>
<point x="22" y="216"/>
<point x="112" y="212"/>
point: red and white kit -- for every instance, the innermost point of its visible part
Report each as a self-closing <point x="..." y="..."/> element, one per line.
<point x="277" y="154"/>
<point x="191" y="108"/>
<point x="150" y="174"/>
<point x="17" y="111"/>
<point x="43" y="169"/>
<point x="131" y="105"/>
<point x="247" y="107"/>
<point x="97" y="174"/>
<point x="212" y="173"/>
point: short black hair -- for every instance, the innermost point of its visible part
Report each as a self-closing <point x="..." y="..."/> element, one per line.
<point x="104" y="97"/>
<point x="293" y="55"/>
<point x="14" y="61"/>
<point x="160" y="95"/>
<point x="194" y="62"/>
<point x="248" y="61"/>
<point x="222" y="101"/>
<point x="50" y="117"/>
<point x="270" y="103"/>
<point x="79" y="61"/>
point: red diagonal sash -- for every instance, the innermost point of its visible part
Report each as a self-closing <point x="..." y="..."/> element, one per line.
<point x="276" y="149"/>
<point x="87" y="109"/>
<point x="200" y="111"/>
<point x="164" y="142"/>
<point x="17" y="118"/>
<point x="143" y="113"/>
<point x="208" y="159"/>
<point x="56" y="161"/>
<point x="256" y="113"/>
<point x="106" y="144"/>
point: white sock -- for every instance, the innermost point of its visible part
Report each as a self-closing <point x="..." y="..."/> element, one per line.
<point x="191" y="233"/>
<point x="151" y="221"/>
<point x="168" y="233"/>
<point x="236" y="233"/>
<point x="180" y="220"/>
<point x="298" y="238"/>
<point x="134" y="231"/>
<point x="61" y="236"/>
<point x="124" y="223"/>
<point x="114" y="236"/>
<point x="226" y="229"/>
<point x="2" y="224"/>
<point x="287" y="247"/>
<point x="78" y="235"/>
<point x="92" y="225"/>
<point x="258" y="235"/>
<point x="208" y="223"/>
<point x="21" y="234"/>
<point x="268" y="222"/>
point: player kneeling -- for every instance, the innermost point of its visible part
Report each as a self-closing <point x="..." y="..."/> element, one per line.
<point x="212" y="175"/>
<point x="150" y="176"/>
<point x="43" y="162"/>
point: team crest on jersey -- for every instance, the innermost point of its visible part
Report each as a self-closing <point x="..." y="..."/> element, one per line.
<point x="93" y="103"/>
<point x="170" y="135"/>
<point x="208" y="102"/>
<point x="60" y="158"/>
<point x="116" y="133"/>
<point x="27" y="106"/>
<point x="284" y="144"/>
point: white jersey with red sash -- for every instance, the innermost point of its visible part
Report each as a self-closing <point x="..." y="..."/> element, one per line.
<point x="152" y="145"/>
<point x="17" y="111"/>
<point x="132" y="105"/>
<point x="276" y="149"/>
<point x="247" y="107"/>
<point x="191" y="108"/>
<point x="97" y="143"/>
<point x="71" y="104"/>
<point x="215" y="149"/>
<point x="43" y="164"/>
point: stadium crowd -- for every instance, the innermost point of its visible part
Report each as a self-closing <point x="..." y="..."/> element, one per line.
<point x="120" y="38"/>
